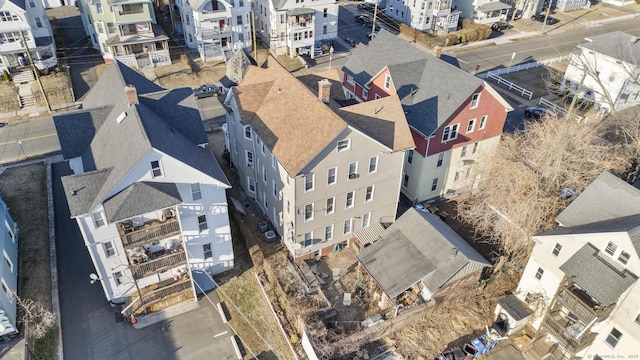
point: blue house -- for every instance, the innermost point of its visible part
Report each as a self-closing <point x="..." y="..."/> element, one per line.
<point x="8" y="271"/>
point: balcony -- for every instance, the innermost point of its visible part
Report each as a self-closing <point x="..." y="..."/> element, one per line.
<point x="579" y="303"/>
<point x="215" y="33"/>
<point x="573" y="336"/>
<point x="149" y="232"/>
<point x="442" y="8"/>
<point x="159" y="296"/>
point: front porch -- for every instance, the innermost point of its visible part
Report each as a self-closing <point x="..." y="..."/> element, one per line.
<point x="491" y="12"/>
<point x="140" y="50"/>
<point x="159" y="296"/>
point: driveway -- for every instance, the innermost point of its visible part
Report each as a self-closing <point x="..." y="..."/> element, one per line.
<point x="91" y="327"/>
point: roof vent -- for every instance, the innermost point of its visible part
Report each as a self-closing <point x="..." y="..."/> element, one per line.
<point x="121" y="117"/>
<point x="454" y="252"/>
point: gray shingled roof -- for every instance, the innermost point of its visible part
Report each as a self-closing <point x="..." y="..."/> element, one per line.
<point x="81" y="190"/>
<point x="20" y="3"/>
<point x="76" y="129"/>
<point x="140" y="198"/>
<point x="598" y="278"/>
<point x="616" y="44"/>
<point x="418" y="246"/>
<point x="515" y="307"/>
<point x="438" y="88"/>
<point x="607" y="197"/>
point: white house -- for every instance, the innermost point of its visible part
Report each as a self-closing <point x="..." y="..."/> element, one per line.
<point x="24" y="25"/>
<point x="582" y="277"/>
<point x="147" y="195"/>
<point x="608" y="67"/>
<point x="293" y="26"/>
<point x="425" y="15"/>
<point x="8" y="271"/>
<point x="214" y="27"/>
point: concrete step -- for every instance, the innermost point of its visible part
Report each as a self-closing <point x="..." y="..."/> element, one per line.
<point x="28" y="101"/>
<point x="23" y="77"/>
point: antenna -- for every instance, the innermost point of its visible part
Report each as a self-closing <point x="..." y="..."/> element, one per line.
<point x="376" y="111"/>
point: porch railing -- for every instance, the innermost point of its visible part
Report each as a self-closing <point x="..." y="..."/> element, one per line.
<point x="571" y="302"/>
<point x="133" y="304"/>
<point x="159" y="264"/>
<point x="151" y="233"/>
<point x="558" y="329"/>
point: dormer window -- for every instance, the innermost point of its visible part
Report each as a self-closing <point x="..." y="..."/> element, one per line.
<point x="611" y="248"/>
<point x="156" y="171"/>
<point x="387" y="81"/>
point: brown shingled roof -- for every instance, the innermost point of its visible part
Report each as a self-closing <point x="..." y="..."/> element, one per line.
<point x="289" y="118"/>
<point x="382" y="119"/>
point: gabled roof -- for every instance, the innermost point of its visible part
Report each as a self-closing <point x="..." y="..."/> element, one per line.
<point x="431" y="90"/>
<point x="607" y="197"/>
<point x="287" y="116"/>
<point x="141" y="198"/>
<point x="383" y="120"/>
<point x="616" y="44"/>
<point x="81" y="190"/>
<point x="418" y="246"/>
<point x="596" y="276"/>
<point x="19" y="3"/>
<point x="76" y="129"/>
<point x="165" y="120"/>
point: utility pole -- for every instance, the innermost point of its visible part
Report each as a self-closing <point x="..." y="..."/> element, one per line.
<point x="546" y="16"/>
<point x="253" y="29"/>
<point x="575" y="96"/>
<point x="35" y="70"/>
<point x="373" y="25"/>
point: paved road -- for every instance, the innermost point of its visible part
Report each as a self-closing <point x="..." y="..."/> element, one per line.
<point x="28" y="139"/>
<point x="89" y="326"/>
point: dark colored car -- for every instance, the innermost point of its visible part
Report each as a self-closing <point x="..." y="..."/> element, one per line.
<point x="363" y="19"/>
<point x="500" y="25"/>
<point x="534" y="113"/>
<point x="366" y="7"/>
<point x="205" y="91"/>
<point x="540" y="17"/>
<point x="350" y="41"/>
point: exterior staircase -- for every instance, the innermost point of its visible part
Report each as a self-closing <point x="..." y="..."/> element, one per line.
<point x="23" y="80"/>
<point x="23" y="77"/>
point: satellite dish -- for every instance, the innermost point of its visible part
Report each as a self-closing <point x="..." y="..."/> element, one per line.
<point x="93" y="278"/>
<point x="297" y="246"/>
<point x="299" y="211"/>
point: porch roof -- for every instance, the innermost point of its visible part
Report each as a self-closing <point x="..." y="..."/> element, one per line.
<point x="158" y="35"/>
<point x="300" y="11"/>
<point x="140" y="198"/>
<point x="493" y="6"/>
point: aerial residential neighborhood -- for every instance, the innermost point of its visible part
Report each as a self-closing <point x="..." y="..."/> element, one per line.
<point x="319" y="179"/>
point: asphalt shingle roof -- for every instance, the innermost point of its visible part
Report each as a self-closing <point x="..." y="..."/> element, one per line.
<point x="418" y="246"/>
<point x="430" y="89"/>
<point x="20" y="3"/>
<point x="82" y="189"/>
<point x="515" y="307"/>
<point x="76" y="129"/>
<point x="141" y="198"/>
<point x="616" y="44"/>
<point x="597" y="277"/>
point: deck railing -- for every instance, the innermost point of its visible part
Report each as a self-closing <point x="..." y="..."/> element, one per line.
<point x="162" y="263"/>
<point x="150" y="233"/>
<point x="585" y="312"/>
<point x="133" y="304"/>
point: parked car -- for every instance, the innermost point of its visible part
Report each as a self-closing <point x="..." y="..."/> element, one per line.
<point x="349" y="40"/>
<point x="204" y="91"/>
<point x="366" y="7"/>
<point x="540" y="17"/>
<point x="536" y="113"/>
<point x="363" y="19"/>
<point x="500" y="25"/>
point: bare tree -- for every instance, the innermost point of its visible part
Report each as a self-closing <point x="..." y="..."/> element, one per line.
<point x="624" y="127"/>
<point x="37" y="319"/>
<point x="521" y="193"/>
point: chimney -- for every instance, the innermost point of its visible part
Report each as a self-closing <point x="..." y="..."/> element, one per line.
<point x="324" y="90"/>
<point x="132" y="94"/>
<point x="437" y="50"/>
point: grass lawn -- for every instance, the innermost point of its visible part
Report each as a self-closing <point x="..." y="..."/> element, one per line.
<point x="56" y="86"/>
<point x="8" y="97"/>
<point x="290" y="64"/>
<point x="24" y="189"/>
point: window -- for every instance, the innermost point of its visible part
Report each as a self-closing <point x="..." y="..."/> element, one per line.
<point x="410" y="156"/>
<point x="196" y="194"/>
<point x="308" y="239"/>
<point x="7" y="260"/>
<point x="39" y="23"/>
<point x="344" y="145"/>
<point x="348" y="226"/>
<point x="9" y="231"/>
<point x="556" y="250"/>
<point x="99" y="8"/>
<point x="308" y="182"/>
<point x="457" y="176"/>
<point x="373" y="164"/>
<point x="239" y="19"/>
<point x="9" y="37"/>
<point x="308" y="212"/>
<point x="331" y="176"/>
<point x="117" y="277"/>
<point x="252" y="184"/>
<point x="206" y="249"/>
<point x="330" y="205"/>
<point x="353" y="170"/>
<point x="109" y="250"/>
<point x="328" y="232"/>
<point x="387" y="81"/>
<point x="247" y="132"/>
<point x="539" y="273"/>
<point x="111" y="28"/>
<point x="434" y="184"/>
<point x="405" y="180"/>
<point x="7" y="292"/>
<point x="349" y="202"/>
<point x="611" y="248"/>
<point x="450" y="132"/>
<point x="249" y="156"/>
<point x="264" y="200"/>
<point x="471" y="125"/>
<point x="324" y="30"/>
<point x="264" y="175"/>
<point x="464" y="151"/>
<point x="7" y="16"/>
<point x="288" y="208"/>
<point x="366" y="220"/>
<point x="32" y="3"/>
<point x="483" y="122"/>
<point x="202" y="223"/>
<point x="369" y="194"/>
<point x="350" y="80"/>
<point x="98" y="219"/>
<point x="325" y="12"/>
<point x="624" y="257"/>
<point x="274" y="162"/>
<point x="155" y="169"/>
<point x="475" y="99"/>
<point x="440" y="159"/>
<point x="475" y="148"/>
<point x="190" y="37"/>
<point x="365" y="94"/>
<point x="614" y="337"/>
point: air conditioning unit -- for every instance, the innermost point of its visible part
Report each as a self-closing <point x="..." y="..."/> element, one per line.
<point x="270" y="236"/>
<point x="264" y="226"/>
<point x="353" y="176"/>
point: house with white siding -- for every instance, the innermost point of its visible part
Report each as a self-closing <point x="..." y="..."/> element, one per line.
<point x="8" y="271"/>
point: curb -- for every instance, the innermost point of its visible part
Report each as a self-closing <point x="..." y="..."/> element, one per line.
<point x="53" y="260"/>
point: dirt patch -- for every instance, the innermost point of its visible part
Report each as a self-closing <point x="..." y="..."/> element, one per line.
<point x="181" y="74"/>
<point x="56" y="86"/>
<point x="8" y="98"/>
<point x="24" y="188"/>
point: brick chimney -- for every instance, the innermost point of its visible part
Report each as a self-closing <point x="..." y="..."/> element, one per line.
<point x="437" y="50"/>
<point x="324" y="90"/>
<point x="132" y="94"/>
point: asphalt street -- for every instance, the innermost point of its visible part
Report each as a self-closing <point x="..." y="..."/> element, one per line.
<point x="92" y="328"/>
<point x="28" y="139"/>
